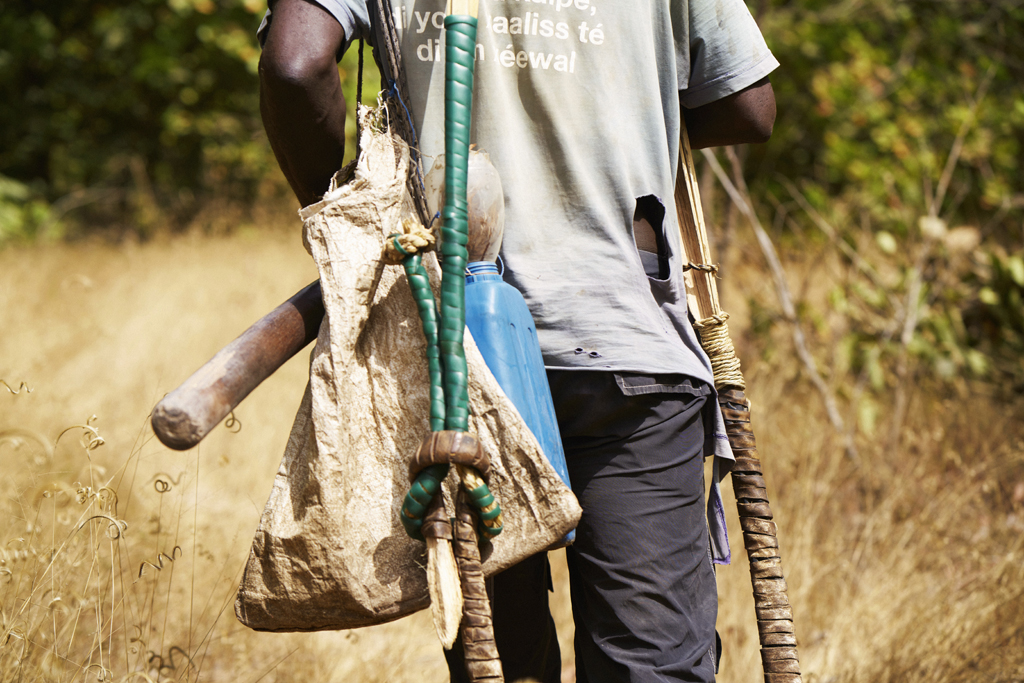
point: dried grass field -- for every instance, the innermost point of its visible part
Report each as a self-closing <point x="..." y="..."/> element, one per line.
<point x="119" y="558"/>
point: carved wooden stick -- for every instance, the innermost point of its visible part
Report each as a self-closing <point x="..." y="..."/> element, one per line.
<point x="188" y="413"/>
<point x="442" y="574"/>
<point x="771" y="600"/>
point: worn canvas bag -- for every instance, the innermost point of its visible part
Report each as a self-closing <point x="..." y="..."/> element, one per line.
<point x="330" y="551"/>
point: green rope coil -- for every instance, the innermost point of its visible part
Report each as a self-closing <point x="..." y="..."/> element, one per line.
<point x="480" y="497"/>
<point x="419" y="283"/>
<point x="460" y="38"/>
<point x="428" y="482"/>
<point x="422" y="491"/>
<point x="489" y="510"/>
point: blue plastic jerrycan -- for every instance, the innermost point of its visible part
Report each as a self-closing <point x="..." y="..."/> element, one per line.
<point x="503" y="329"/>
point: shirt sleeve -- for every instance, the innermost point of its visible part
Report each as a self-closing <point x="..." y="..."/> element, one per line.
<point x="725" y="52"/>
<point x="351" y="14"/>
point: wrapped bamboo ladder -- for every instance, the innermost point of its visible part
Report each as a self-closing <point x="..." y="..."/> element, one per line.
<point x="771" y="600"/>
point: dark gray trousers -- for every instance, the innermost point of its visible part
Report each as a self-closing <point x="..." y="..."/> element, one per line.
<point x="643" y="589"/>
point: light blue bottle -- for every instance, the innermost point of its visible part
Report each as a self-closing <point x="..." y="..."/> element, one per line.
<point x="503" y="329"/>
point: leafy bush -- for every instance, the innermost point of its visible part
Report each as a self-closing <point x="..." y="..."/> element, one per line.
<point x="899" y="140"/>
<point x="994" y="316"/>
<point x="873" y="94"/>
<point x="126" y="111"/>
<point x="158" y="96"/>
<point x="22" y="213"/>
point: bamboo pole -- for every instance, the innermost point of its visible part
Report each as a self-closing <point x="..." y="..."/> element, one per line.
<point x="775" y="630"/>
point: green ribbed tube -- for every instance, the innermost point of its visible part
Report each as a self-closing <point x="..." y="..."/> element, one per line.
<point x="428" y="482"/>
<point x="460" y="38"/>
<point x="422" y="491"/>
<point x="419" y="283"/>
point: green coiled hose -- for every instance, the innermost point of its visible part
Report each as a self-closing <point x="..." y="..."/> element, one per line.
<point x="460" y="39"/>
<point x="446" y="356"/>
<point x="419" y="283"/>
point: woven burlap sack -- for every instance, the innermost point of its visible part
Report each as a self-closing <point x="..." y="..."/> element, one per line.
<point x="330" y="551"/>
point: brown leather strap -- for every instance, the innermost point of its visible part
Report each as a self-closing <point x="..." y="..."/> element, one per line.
<point x="436" y="523"/>
<point x="481" y="652"/>
<point x="450" y="448"/>
<point x="777" y="653"/>
<point x="782" y="678"/>
<point x="755" y="480"/>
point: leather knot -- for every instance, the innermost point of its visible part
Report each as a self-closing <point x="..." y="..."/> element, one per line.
<point x="450" y="448"/>
<point x="436" y="524"/>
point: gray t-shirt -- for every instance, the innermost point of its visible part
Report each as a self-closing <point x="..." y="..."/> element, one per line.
<point x="577" y="103"/>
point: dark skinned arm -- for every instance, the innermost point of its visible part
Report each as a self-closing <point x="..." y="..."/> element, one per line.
<point x="301" y="101"/>
<point x="745" y="116"/>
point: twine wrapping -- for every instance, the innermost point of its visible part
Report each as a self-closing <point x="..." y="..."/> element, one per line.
<point x="414" y="239"/>
<point x="714" y="337"/>
<point x="702" y="267"/>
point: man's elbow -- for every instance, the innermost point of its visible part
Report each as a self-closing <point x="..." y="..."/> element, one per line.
<point x="759" y="110"/>
<point x="761" y="126"/>
<point x="299" y="71"/>
<point x="747" y="116"/>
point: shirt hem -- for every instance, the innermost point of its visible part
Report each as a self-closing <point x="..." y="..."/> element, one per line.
<point x="728" y="84"/>
<point x="342" y="15"/>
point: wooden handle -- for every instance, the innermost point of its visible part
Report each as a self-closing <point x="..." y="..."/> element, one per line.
<point x="775" y="630"/>
<point x="479" y="648"/>
<point x="188" y="413"/>
<point x="463" y="7"/>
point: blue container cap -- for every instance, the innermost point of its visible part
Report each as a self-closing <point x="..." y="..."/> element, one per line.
<point x="478" y="267"/>
<point x="478" y="271"/>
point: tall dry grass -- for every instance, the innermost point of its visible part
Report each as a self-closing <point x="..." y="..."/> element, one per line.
<point x="107" y="331"/>
<point x="119" y="560"/>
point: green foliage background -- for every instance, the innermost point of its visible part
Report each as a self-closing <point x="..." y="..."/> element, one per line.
<point x="130" y="116"/>
<point x="872" y="94"/>
<point x="901" y="125"/>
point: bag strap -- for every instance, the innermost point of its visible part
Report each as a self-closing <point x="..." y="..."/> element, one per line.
<point x="387" y="53"/>
<point x="359" y="100"/>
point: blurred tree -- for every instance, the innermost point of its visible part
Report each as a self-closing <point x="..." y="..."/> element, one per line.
<point x="873" y="94"/>
<point x="154" y="98"/>
<point x="901" y="130"/>
<point x="130" y="110"/>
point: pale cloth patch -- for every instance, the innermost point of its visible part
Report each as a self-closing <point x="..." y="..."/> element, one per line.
<point x="330" y="551"/>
